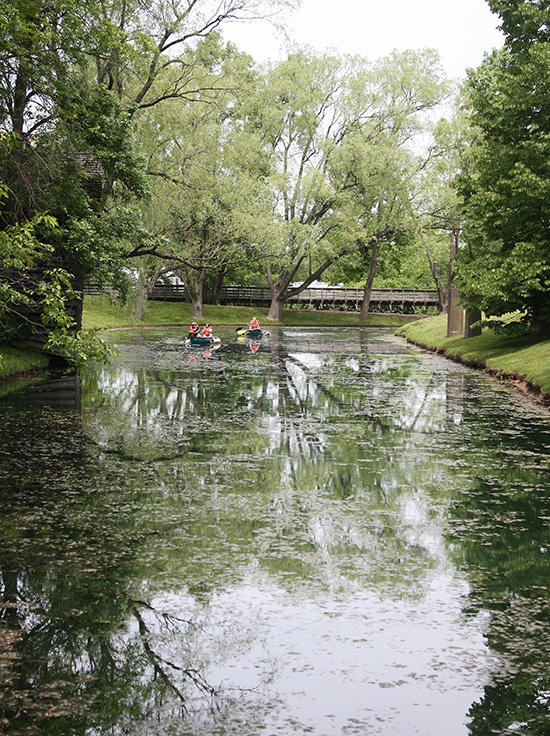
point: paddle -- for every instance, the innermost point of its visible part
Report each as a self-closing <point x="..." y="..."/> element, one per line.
<point x="241" y="330"/>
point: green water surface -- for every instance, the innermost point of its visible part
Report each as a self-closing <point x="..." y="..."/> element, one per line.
<point x="326" y="532"/>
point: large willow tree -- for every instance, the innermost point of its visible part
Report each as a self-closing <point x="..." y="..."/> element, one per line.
<point x="339" y="131"/>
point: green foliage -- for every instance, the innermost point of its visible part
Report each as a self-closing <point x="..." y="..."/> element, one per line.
<point x="507" y="191"/>
<point x="211" y="204"/>
<point x="79" y="347"/>
<point x="339" y="131"/>
<point x="523" y="21"/>
<point x="40" y="296"/>
<point x="69" y="152"/>
<point x="20" y="252"/>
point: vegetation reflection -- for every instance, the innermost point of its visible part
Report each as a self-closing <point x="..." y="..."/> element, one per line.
<point x="323" y="469"/>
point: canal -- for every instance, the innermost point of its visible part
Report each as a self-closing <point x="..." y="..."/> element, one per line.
<point x="328" y="532"/>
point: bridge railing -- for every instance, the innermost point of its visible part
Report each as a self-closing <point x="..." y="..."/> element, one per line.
<point x="313" y="297"/>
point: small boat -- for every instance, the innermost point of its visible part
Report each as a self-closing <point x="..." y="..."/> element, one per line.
<point x="201" y="341"/>
<point x="256" y="334"/>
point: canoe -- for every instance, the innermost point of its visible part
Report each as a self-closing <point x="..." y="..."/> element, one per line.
<point x="256" y="334"/>
<point x="202" y="341"/>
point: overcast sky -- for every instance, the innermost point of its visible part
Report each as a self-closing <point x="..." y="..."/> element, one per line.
<point x="461" y="30"/>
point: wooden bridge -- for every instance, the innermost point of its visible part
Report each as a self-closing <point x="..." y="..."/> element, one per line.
<point x="330" y="297"/>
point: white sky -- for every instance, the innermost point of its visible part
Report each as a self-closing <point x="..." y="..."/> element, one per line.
<point x="461" y="30"/>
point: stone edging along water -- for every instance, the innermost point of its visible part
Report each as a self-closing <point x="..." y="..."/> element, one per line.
<point x="516" y="380"/>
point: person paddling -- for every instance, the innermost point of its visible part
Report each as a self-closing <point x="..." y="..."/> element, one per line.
<point x="193" y="330"/>
<point x="207" y="330"/>
<point x="254" y="324"/>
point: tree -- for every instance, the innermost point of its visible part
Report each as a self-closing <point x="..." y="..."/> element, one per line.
<point x="439" y="210"/>
<point x="41" y="297"/>
<point x="338" y="129"/>
<point x="68" y="152"/>
<point x="506" y="266"/>
<point x="412" y="84"/>
<point x="211" y="202"/>
<point x="73" y="79"/>
<point x="522" y="21"/>
<point x="148" y="67"/>
<point x="301" y="119"/>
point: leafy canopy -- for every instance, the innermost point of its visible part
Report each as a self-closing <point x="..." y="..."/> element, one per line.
<point x="506" y="192"/>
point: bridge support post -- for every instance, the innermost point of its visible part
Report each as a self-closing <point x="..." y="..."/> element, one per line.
<point x="473" y="316"/>
<point x="455" y="316"/>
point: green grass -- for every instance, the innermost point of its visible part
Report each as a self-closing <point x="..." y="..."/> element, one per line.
<point x="522" y="356"/>
<point x="102" y="313"/>
<point x="15" y="361"/>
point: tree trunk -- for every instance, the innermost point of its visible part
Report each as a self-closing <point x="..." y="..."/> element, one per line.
<point x="278" y="298"/>
<point x="442" y="292"/>
<point x="143" y="292"/>
<point x="218" y="285"/>
<point x="280" y="291"/>
<point x="278" y="294"/>
<point x="540" y="314"/>
<point x="370" y="280"/>
<point x="193" y="286"/>
<point x="276" y="308"/>
<point x="196" y="306"/>
<point x="455" y="235"/>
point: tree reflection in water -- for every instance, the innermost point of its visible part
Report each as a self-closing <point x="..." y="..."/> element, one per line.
<point x="151" y="531"/>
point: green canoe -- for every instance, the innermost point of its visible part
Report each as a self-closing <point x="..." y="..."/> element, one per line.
<point x="202" y="341"/>
<point x="252" y="334"/>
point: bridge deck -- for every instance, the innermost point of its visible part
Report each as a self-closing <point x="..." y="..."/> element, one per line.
<point x="321" y="298"/>
<point x="332" y="297"/>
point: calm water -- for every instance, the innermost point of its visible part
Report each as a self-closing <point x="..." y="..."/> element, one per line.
<point x="331" y="534"/>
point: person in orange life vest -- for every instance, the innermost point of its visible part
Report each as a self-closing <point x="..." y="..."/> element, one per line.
<point x="207" y="330"/>
<point x="254" y="324"/>
<point x="193" y="330"/>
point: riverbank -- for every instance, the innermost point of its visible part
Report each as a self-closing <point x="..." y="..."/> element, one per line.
<point x="20" y="361"/>
<point x="521" y="361"/>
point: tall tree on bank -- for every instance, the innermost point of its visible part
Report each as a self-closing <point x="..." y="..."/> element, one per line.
<point x="212" y="205"/>
<point x="69" y="150"/>
<point x="331" y="124"/>
<point x="439" y="211"/>
<point x="73" y="76"/>
<point x="506" y="266"/>
<point x="301" y="117"/>
<point x="413" y="84"/>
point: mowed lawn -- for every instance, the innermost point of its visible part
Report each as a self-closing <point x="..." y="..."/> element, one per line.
<point x="100" y="313"/>
<point x="525" y="356"/>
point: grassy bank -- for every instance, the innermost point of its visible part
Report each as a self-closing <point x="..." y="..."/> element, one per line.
<point x="522" y="360"/>
<point x="101" y="313"/>
<point x="17" y="361"/>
